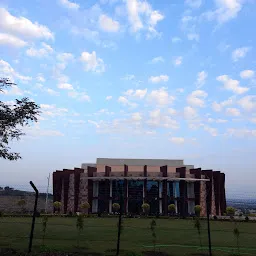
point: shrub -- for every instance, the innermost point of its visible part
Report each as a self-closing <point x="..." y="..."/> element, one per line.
<point x="145" y="207"/>
<point x="116" y="207"/>
<point x="57" y="205"/>
<point x="197" y="210"/>
<point x="172" y="209"/>
<point x="246" y="219"/>
<point x="215" y="217"/>
<point x="230" y="211"/>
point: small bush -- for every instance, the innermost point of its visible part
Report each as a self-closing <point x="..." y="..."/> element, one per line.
<point x="246" y="219"/>
<point x="215" y="217"/>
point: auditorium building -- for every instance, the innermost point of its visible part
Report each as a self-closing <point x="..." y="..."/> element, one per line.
<point x="158" y="182"/>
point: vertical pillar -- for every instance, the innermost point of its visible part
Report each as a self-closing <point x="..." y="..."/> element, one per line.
<point x="160" y="197"/>
<point x="208" y="175"/>
<point x="71" y="193"/>
<point x="91" y="171"/>
<point x="125" y="189"/>
<point x="77" y="175"/>
<point x="145" y="173"/>
<point x="163" y="170"/>
<point x="95" y="196"/>
<point x="108" y="187"/>
<point x="183" y="206"/>
<point x="110" y="196"/>
<point x="216" y="181"/>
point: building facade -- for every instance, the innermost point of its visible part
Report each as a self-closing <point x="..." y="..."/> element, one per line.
<point x="132" y="182"/>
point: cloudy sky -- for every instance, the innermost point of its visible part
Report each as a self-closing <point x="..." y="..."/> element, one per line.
<point x="135" y="79"/>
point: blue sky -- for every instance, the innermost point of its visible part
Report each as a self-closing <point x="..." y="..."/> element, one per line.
<point x="135" y="79"/>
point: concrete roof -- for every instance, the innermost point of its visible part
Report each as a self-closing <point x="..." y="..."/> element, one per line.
<point x="139" y="162"/>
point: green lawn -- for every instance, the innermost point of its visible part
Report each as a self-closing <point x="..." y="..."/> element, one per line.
<point x="177" y="237"/>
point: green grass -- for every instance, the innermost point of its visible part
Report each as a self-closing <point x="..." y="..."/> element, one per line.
<point x="99" y="235"/>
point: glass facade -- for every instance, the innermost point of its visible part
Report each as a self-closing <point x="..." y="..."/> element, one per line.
<point x="103" y="196"/>
<point x="135" y="196"/>
<point x="153" y="196"/>
<point x="117" y="190"/>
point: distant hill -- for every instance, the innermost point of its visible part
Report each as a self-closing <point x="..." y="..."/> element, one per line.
<point x="8" y="191"/>
<point x="9" y="198"/>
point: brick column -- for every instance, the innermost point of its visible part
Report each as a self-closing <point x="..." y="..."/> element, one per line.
<point x="71" y="193"/>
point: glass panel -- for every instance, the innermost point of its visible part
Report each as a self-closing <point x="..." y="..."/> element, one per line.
<point x="153" y="196"/>
<point x="117" y="189"/>
<point x="103" y="197"/>
<point x="135" y="192"/>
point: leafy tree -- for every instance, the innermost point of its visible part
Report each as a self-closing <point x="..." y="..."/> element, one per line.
<point x="85" y="206"/>
<point x="197" y="210"/>
<point x="153" y="232"/>
<point x="80" y="227"/>
<point x="44" y="226"/>
<point x="172" y="209"/>
<point x="12" y="117"/>
<point x="57" y="205"/>
<point x="230" y="212"/>
<point x="116" y="207"/>
<point x="197" y="225"/>
<point x="21" y="203"/>
<point x="236" y="235"/>
<point x="145" y="207"/>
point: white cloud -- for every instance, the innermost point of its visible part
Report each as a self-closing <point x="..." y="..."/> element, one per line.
<point x="196" y="98"/>
<point x="92" y="63"/>
<point x="180" y="90"/>
<point x="40" y="78"/>
<point x="51" y="92"/>
<point x="190" y="113"/>
<point x="193" y="36"/>
<point x="176" y="39"/>
<point x="128" y="77"/>
<point x="193" y="3"/>
<point x="201" y="77"/>
<point x="240" y="53"/>
<point x="139" y="93"/>
<point x="232" y="85"/>
<point x="136" y="117"/>
<point x="246" y="74"/>
<point x="108" y="24"/>
<point x="158" y="79"/>
<point x="177" y="140"/>
<point x="123" y="100"/>
<point x="178" y="61"/>
<point x="81" y="96"/>
<point x="212" y="131"/>
<point x="160" y="97"/>
<point x="69" y="5"/>
<point x="226" y="10"/>
<point x="65" y="86"/>
<point x="219" y="106"/>
<point x="240" y="132"/>
<point x="157" y="60"/>
<point x="23" y="27"/>
<point x="52" y="110"/>
<point x="7" y="71"/>
<point x="172" y="111"/>
<point x="13" y="90"/>
<point x="40" y="53"/>
<point x="233" y="112"/>
<point x="109" y="98"/>
<point x="248" y="102"/>
<point x="142" y="17"/>
<point x="11" y="41"/>
<point x="157" y="119"/>
<point x="65" y="57"/>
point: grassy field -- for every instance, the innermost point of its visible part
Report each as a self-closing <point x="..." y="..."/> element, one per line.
<point x="177" y="237"/>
